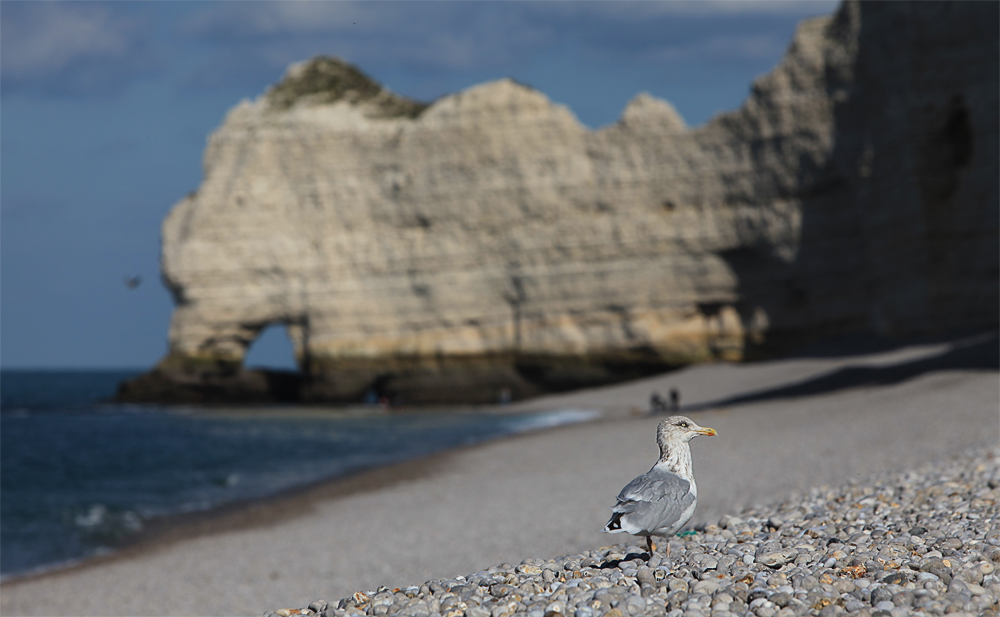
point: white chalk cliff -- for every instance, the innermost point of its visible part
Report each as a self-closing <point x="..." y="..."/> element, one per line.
<point x="489" y="239"/>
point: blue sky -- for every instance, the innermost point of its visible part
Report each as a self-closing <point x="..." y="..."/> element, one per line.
<point x="105" y="108"/>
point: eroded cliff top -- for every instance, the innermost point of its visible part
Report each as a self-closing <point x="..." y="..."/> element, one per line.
<point x="325" y="79"/>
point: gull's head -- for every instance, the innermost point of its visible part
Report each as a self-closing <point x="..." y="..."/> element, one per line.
<point x="680" y="429"/>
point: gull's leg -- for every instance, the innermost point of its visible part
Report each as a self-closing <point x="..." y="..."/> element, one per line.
<point x="668" y="548"/>
<point x="650" y="545"/>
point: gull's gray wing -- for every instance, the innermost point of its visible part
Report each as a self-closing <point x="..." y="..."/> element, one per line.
<point x="655" y="500"/>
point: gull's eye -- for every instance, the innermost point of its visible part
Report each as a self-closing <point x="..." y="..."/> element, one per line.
<point x="684" y="425"/>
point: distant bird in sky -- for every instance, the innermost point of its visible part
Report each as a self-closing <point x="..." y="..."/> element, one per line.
<point x="133" y="281"/>
<point x="662" y="500"/>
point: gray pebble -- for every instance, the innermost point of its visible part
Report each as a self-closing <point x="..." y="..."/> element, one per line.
<point x="776" y="559"/>
<point x="781" y="599"/>
<point x="882" y="594"/>
<point x="645" y="576"/>
<point x="938" y="568"/>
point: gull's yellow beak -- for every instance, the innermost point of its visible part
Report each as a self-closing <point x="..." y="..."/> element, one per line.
<point x="709" y="432"/>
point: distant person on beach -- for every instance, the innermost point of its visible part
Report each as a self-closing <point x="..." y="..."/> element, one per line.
<point x="675" y="399"/>
<point x="656" y="403"/>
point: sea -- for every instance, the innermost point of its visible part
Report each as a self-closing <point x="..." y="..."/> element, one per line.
<point x="81" y="476"/>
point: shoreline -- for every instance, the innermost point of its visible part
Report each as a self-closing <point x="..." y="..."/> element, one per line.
<point x="273" y="509"/>
<point x="296" y="501"/>
<point x="276" y="508"/>
<point x="538" y="493"/>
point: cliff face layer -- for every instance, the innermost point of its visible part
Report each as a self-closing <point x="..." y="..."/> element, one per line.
<point x="489" y="240"/>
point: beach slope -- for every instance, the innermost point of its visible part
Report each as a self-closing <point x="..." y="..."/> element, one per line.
<point x="784" y="426"/>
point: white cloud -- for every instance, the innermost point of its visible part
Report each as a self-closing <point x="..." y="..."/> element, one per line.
<point x="228" y="21"/>
<point x="50" y="36"/>
<point x="69" y="47"/>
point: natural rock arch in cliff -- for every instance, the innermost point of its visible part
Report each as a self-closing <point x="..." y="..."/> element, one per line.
<point x="272" y="349"/>
<point x="489" y="240"/>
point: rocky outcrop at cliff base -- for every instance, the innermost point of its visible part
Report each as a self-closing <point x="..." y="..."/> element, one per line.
<point x="488" y="240"/>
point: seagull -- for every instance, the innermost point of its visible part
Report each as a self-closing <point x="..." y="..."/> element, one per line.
<point x="662" y="500"/>
<point x="133" y="281"/>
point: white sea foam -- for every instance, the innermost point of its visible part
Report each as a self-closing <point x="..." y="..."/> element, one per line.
<point x="553" y="419"/>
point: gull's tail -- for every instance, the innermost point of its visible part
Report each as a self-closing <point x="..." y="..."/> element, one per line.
<point x="615" y="524"/>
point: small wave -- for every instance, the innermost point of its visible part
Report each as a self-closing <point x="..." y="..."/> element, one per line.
<point x="103" y="524"/>
<point x="552" y="419"/>
<point x="228" y="480"/>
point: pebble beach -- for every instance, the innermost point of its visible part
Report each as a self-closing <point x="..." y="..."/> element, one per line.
<point x="924" y="542"/>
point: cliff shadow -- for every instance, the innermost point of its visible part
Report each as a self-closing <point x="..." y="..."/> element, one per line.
<point x="980" y="353"/>
<point x="899" y="224"/>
